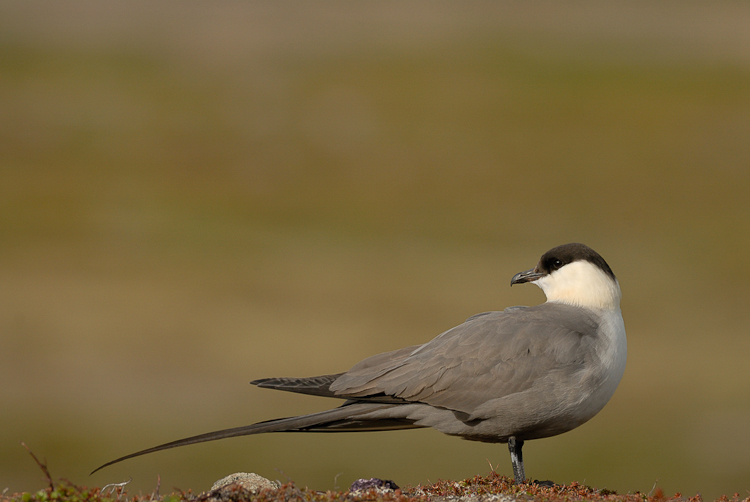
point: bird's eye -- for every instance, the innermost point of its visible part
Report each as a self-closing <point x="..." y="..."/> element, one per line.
<point x="556" y="263"/>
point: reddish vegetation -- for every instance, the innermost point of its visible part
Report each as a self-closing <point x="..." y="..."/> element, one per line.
<point x="492" y="488"/>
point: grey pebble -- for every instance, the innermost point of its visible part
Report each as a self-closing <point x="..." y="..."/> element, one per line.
<point x="247" y="480"/>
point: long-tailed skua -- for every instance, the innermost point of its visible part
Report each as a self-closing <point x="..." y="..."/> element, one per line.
<point x="500" y="377"/>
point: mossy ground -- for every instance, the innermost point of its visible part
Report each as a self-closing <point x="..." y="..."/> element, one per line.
<point x="492" y="487"/>
<point x="482" y="487"/>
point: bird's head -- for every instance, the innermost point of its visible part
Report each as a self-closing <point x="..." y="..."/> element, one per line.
<point x="574" y="274"/>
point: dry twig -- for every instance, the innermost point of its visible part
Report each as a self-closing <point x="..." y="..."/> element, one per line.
<point x="42" y="466"/>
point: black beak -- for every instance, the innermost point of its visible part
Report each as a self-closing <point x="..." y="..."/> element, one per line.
<point x="527" y="276"/>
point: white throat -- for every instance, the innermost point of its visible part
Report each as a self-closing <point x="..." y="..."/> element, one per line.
<point x="583" y="284"/>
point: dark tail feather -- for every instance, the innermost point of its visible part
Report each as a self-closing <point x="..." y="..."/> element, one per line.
<point x="340" y="419"/>
<point x="315" y="386"/>
<point x="320" y="386"/>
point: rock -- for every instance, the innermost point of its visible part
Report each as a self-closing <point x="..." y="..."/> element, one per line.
<point x="476" y="498"/>
<point x="246" y="480"/>
<point x="381" y="485"/>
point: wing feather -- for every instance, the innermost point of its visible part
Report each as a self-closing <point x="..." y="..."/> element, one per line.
<point x="489" y="356"/>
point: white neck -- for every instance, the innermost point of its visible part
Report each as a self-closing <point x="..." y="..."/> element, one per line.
<point x="583" y="284"/>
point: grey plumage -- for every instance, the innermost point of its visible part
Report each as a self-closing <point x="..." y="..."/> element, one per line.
<point x="502" y="377"/>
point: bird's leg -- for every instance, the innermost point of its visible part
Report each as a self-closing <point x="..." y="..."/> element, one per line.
<point x="516" y="458"/>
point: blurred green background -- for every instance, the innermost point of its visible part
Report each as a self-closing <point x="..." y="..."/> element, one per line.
<point x="197" y="194"/>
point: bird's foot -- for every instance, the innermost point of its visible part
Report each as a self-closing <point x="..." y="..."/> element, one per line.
<point x="546" y="484"/>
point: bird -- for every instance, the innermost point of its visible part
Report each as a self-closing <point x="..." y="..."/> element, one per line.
<point x="507" y="376"/>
